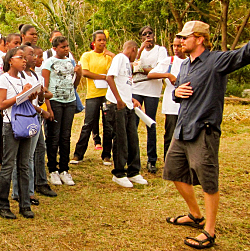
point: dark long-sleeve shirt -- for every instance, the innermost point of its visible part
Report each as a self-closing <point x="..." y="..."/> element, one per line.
<point x="208" y="77"/>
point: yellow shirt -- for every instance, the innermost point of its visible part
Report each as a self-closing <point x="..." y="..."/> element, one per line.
<point x="96" y="63"/>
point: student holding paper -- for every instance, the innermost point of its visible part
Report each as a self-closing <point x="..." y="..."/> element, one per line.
<point x="14" y="151"/>
<point x="121" y="115"/>
<point x="95" y="65"/>
<point x="148" y="92"/>
<point x="31" y="77"/>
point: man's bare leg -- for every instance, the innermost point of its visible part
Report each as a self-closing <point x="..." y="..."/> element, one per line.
<point x="211" y="205"/>
<point x="187" y="192"/>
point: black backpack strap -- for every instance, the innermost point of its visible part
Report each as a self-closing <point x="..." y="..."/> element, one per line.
<point x="34" y="73"/>
<point x="22" y="75"/>
<point x="20" y="80"/>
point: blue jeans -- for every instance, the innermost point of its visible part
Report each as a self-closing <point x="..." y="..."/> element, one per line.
<point x="92" y="111"/>
<point x="31" y="170"/>
<point x="125" y="141"/>
<point x="39" y="161"/>
<point x="150" y="104"/>
<point x="58" y="135"/>
<point x="14" y="151"/>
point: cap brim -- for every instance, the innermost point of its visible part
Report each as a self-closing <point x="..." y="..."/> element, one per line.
<point x="184" y="34"/>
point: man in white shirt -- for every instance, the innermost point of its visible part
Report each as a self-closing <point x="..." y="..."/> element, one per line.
<point x="121" y="116"/>
<point x="149" y="91"/>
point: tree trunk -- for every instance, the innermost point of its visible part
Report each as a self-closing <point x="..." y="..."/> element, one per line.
<point x="176" y="15"/>
<point x="225" y="4"/>
<point x="240" y="30"/>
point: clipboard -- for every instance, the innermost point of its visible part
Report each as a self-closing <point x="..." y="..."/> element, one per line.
<point x="25" y="96"/>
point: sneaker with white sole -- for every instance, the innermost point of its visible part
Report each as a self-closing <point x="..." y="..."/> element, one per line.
<point x="124" y="181"/>
<point x="54" y="178"/>
<point x="75" y="161"/>
<point x="106" y="161"/>
<point x="138" y="179"/>
<point x="66" y="178"/>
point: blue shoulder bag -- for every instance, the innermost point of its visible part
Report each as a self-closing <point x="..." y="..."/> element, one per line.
<point x="24" y="120"/>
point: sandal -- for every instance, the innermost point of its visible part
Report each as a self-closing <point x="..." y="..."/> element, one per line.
<point x="201" y="245"/>
<point x="196" y="221"/>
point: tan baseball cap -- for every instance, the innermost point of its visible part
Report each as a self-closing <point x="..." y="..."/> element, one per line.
<point x="193" y="26"/>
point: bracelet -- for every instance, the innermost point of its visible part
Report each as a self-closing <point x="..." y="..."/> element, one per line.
<point x="41" y="112"/>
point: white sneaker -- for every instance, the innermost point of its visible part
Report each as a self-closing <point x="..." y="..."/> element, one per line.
<point x="66" y="178"/>
<point x="107" y="162"/>
<point x="124" y="182"/>
<point x="75" y="160"/>
<point x="54" y="178"/>
<point x="138" y="179"/>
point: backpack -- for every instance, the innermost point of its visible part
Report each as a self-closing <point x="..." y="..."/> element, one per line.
<point x="24" y="120"/>
<point x="170" y="65"/>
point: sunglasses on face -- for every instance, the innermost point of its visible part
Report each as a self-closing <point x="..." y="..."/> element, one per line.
<point x="147" y="33"/>
<point x="185" y="38"/>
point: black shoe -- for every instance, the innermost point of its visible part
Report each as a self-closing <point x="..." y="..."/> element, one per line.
<point x="34" y="201"/>
<point x="151" y="168"/>
<point x="46" y="190"/>
<point x="26" y="212"/>
<point x="6" y="213"/>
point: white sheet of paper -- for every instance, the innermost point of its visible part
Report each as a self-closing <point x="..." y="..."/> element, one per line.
<point x="144" y="117"/>
<point x="99" y="83"/>
<point x="25" y="96"/>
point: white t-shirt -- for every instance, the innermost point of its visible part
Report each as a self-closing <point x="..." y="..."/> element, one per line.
<point x="168" y="105"/>
<point x="2" y="54"/>
<point x="6" y="82"/>
<point x="121" y="70"/>
<point x="149" y="59"/>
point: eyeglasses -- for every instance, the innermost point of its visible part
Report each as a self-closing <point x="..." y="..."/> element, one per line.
<point x="20" y="57"/>
<point x="32" y="55"/>
<point x="147" y="33"/>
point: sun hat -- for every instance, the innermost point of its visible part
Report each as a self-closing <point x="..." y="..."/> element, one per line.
<point x="193" y="26"/>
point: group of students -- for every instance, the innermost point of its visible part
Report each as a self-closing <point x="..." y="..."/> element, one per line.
<point x="24" y="64"/>
<point x="23" y="160"/>
<point x="119" y="129"/>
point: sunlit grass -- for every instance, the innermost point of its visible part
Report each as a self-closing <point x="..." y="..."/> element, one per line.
<point x="97" y="214"/>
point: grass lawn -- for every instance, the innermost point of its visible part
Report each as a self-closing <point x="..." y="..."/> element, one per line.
<point x="97" y="214"/>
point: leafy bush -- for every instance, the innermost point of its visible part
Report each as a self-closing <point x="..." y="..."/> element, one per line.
<point x="238" y="81"/>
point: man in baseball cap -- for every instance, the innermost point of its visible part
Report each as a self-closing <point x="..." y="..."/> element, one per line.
<point x="192" y="27"/>
<point x="192" y="158"/>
